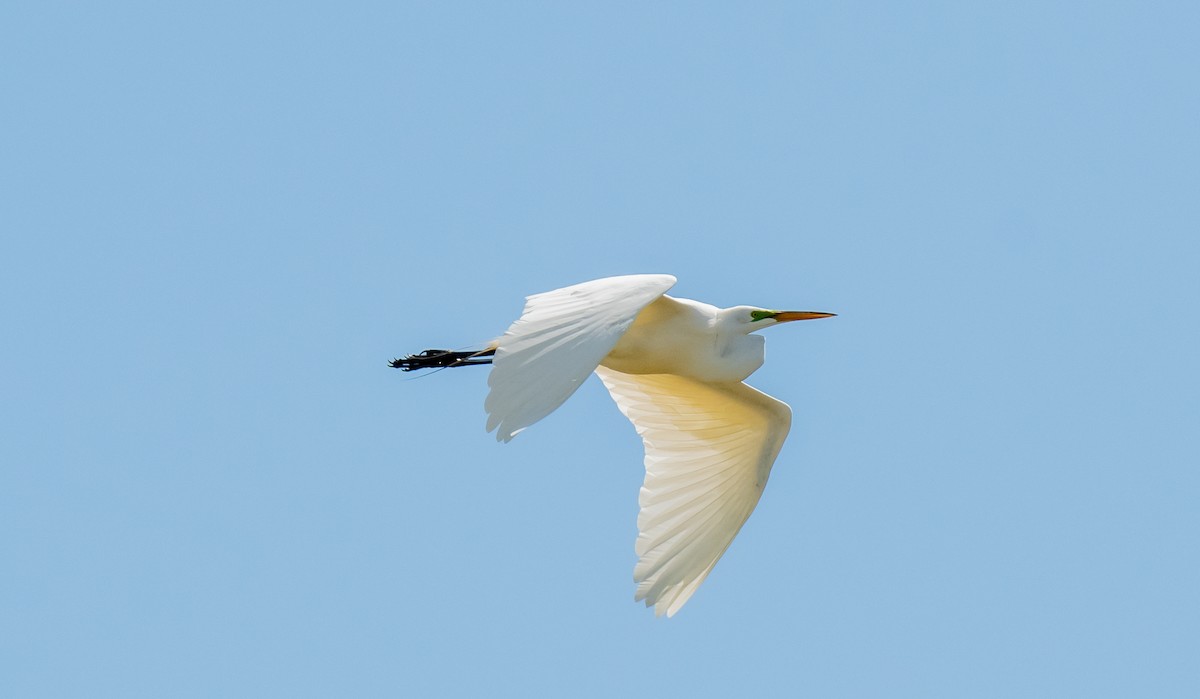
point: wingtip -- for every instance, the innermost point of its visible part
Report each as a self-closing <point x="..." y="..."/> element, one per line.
<point x="505" y="436"/>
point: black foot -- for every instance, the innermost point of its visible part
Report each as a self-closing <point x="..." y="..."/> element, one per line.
<point x="435" y="358"/>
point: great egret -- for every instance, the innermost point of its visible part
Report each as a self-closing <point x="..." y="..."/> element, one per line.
<point x="675" y="369"/>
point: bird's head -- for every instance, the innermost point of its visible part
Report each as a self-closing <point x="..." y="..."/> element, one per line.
<point x="752" y="319"/>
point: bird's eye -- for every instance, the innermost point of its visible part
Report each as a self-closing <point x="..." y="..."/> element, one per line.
<point x="762" y="315"/>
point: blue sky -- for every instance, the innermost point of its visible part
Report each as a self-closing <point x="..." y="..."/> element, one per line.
<point x="222" y="219"/>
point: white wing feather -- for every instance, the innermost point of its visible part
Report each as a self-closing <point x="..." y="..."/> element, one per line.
<point x="709" y="451"/>
<point x="561" y="336"/>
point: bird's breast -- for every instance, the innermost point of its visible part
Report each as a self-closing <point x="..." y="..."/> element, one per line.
<point x="684" y="351"/>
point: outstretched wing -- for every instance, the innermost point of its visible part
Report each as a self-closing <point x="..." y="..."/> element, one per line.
<point x="559" y="339"/>
<point x="709" y="451"/>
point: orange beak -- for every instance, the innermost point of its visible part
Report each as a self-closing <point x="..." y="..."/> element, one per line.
<point x="787" y="316"/>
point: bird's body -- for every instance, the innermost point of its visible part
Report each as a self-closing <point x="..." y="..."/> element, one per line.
<point x="675" y="368"/>
<point x="683" y="337"/>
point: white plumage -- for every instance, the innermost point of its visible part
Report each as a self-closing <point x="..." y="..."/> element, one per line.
<point x="560" y="338"/>
<point x="709" y="451"/>
<point x="675" y="369"/>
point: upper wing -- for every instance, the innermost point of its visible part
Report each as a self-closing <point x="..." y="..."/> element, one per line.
<point x="559" y="339"/>
<point x="709" y="451"/>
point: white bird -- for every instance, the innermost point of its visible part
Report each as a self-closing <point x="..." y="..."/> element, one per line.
<point x="675" y="368"/>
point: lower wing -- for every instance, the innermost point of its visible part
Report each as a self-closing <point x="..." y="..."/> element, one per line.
<point x="709" y="451"/>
